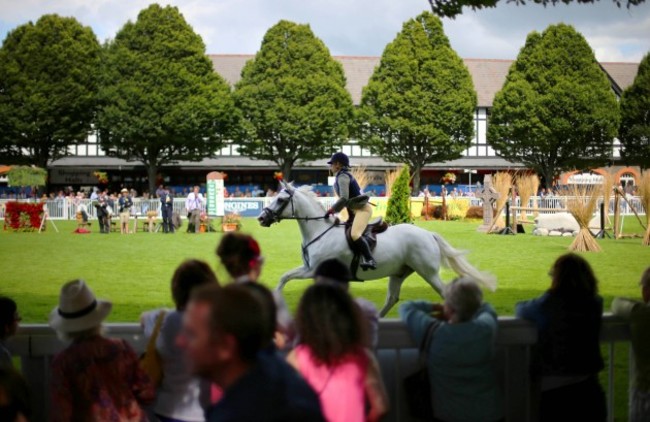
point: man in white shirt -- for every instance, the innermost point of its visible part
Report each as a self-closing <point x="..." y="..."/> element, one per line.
<point x="194" y="205"/>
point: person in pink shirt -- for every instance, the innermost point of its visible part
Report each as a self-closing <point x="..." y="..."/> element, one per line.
<point x="332" y="357"/>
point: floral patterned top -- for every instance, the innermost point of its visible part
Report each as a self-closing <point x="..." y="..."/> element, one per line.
<point x="99" y="379"/>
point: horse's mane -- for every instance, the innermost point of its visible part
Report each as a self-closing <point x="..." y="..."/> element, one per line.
<point x="308" y="191"/>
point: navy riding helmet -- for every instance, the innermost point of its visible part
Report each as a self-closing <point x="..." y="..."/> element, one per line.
<point x="339" y="157"/>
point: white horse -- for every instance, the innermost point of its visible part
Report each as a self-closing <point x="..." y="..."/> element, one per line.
<point x="400" y="251"/>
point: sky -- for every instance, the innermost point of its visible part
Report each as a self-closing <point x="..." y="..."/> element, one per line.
<point x="361" y="27"/>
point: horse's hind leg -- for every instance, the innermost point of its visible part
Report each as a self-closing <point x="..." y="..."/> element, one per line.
<point x="296" y="273"/>
<point x="435" y="281"/>
<point x="392" y="295"/>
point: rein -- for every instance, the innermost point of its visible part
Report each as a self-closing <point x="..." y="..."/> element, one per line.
<point x="277" y="217"/>
<point x="305" y="252"/>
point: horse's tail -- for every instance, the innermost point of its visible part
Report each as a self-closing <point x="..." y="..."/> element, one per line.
<point x="454" y="259"/>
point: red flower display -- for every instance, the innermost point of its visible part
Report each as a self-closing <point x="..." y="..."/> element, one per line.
<point x="278" y="176"/>
<point x="23" y="216"/>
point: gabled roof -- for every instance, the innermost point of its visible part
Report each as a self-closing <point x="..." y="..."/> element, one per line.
<point x="622" y="73"/>
<point x="488" y="75"/>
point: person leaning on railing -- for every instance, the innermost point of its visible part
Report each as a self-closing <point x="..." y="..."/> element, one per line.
<point x="568" y="319"/>
<point x="460" y="355"/>
<point x="638" y="312"/>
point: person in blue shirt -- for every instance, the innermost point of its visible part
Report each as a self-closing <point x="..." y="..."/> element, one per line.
<point x="359" y="210"/>
<point x="460" y="354"/>
<point x="568" y="319"/>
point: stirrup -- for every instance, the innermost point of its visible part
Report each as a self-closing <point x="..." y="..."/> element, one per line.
<point x="368" y="264"/>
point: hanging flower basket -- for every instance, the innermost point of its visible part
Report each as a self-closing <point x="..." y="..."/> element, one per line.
<point x="102" y="177"/>
<point x="448" y="178"/>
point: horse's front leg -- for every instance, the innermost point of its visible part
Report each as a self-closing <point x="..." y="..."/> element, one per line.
<point x="297" y="273"/>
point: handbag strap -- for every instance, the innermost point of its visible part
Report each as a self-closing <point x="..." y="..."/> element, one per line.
<point x="151" y="346"/>
<point x="426" y="342"/>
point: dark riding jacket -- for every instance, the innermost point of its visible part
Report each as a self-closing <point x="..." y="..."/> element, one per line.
<point x="349" y="192"/>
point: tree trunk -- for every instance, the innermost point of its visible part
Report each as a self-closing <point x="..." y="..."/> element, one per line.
<point x="152" y="172"/>
<point x="416" y="180"/>
<point x="286" y="170"/>
<point x="549" y="176"/>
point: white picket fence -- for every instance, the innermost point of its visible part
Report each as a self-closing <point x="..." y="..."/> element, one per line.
<point x="65" y="209"/>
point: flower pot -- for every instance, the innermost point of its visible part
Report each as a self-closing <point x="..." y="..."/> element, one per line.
<point x="229" y="227"/>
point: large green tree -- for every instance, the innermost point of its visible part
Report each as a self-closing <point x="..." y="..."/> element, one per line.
<point x="453" y="8"/>
<point x="419" y="105"/>
<point x="293" y="99"/>
<point x="634" y="131"/>
<point x="161" y="100"/>
<point x="557" y="110"/>
<point x="48" y="88"/>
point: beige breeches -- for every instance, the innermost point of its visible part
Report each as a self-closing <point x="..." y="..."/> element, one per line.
<point x="361" y="218"/>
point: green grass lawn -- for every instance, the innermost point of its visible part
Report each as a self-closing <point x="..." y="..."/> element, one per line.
<point x="134" y="271"/>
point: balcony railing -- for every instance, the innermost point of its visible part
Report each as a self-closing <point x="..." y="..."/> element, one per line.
<point x="37" y="344"/>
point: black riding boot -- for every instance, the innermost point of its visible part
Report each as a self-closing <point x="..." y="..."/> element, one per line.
<point x="367" y="260"/>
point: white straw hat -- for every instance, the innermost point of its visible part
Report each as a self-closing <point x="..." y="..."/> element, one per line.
<point x="78" y="309"/>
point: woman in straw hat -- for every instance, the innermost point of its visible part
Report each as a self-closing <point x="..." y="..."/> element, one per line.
<point x="95" y="378"/>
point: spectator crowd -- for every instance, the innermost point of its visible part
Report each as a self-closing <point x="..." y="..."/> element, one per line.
<point x="233" y="351"/>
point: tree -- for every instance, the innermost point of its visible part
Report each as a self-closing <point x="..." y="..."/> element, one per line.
<point x="161" y="100"/>
<point x="453" y="8"/>
<point x="419" y="104"/>
<point x="293" y="99"/>
<point x="557" y="110"/>
<point x="398" y="209"/>
<point x="48" y="88"/>
<point x="634" y="131"/>
<point x="27" y="176"/>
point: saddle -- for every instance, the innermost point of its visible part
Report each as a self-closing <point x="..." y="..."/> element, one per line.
<point x="374" y="228"/>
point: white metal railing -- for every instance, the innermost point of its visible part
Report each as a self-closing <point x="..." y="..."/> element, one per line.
<point x="37" y="344"/>
<point x="65" y="209"/>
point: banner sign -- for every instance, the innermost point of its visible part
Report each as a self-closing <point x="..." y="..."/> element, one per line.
<point x="244" y="207"/>
<point x="215" y="194"/>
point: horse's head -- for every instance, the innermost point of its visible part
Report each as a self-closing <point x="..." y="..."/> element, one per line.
<point x="281" y="207"/>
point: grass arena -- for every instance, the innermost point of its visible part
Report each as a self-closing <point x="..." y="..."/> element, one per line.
<point x="134" y="270"/>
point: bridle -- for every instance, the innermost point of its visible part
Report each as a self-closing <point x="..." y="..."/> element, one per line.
<point x="277" y="215"/>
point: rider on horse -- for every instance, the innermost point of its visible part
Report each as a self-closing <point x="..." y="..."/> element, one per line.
<point x="350" y="197"/>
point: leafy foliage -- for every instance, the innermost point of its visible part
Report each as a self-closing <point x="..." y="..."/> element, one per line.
<point x="293" y="99"/>
<point x="556" y="110"/>
<point x="48" y="88"/>
<point x="634" y="131"/>
<point x="161" y="101"/>
<point x="453" y="8"/>
<point x="399" y="204"/>
<point x="27" y="176"/>
<point x="419" y="104"/>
